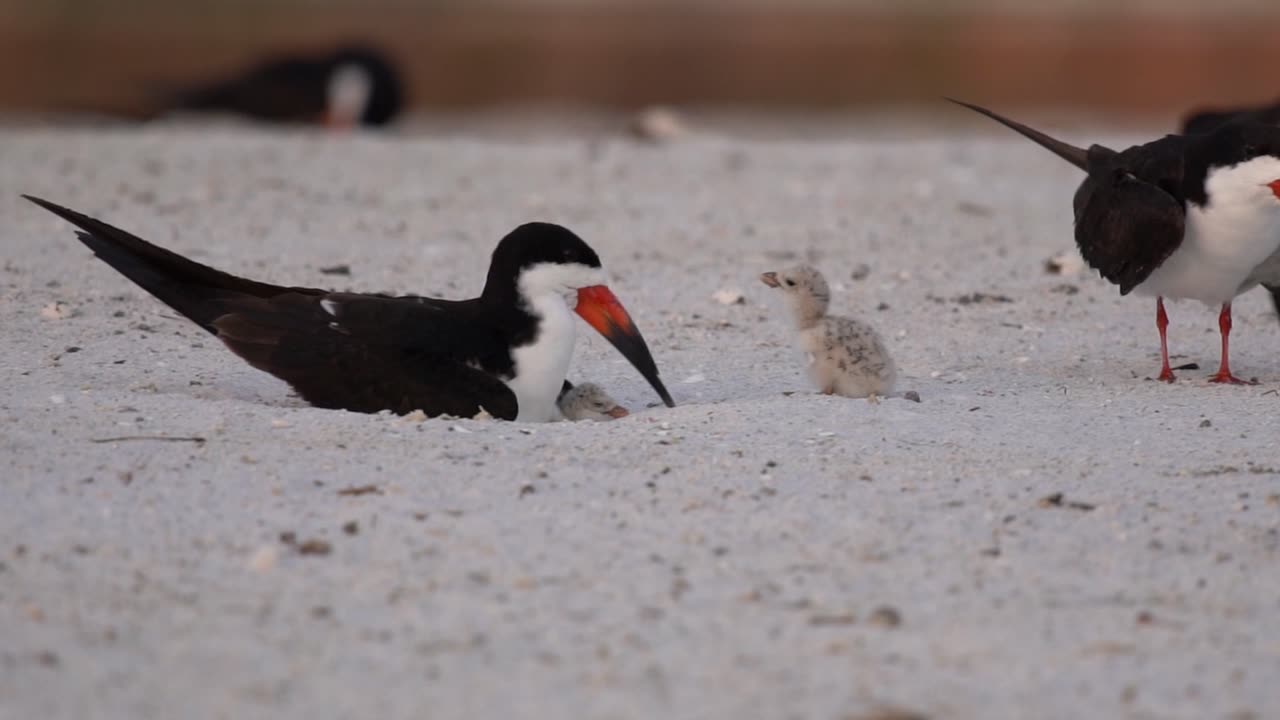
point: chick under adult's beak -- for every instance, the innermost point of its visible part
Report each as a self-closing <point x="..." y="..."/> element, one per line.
<point x="602" y="311"/>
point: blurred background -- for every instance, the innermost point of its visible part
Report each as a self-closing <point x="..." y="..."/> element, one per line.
<point x="1147" y="58"/>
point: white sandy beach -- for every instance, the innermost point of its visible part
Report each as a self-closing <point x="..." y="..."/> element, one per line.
<point x="760" y="551"/>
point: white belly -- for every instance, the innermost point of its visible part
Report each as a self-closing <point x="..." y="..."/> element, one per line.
<point x="1226" y="241"/>
<point x="541" y="367"/>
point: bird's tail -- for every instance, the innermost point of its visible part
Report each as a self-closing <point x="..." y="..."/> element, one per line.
<point x="197" y="291"/>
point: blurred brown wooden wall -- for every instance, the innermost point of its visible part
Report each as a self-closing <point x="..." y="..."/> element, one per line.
<point x="94" y="52"/>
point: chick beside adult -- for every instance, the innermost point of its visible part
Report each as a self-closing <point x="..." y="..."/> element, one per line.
<point x="588" y="401"/>
<point x="846" y="356"/>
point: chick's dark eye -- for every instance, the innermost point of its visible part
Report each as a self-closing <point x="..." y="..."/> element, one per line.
<point x="791" y="283"/>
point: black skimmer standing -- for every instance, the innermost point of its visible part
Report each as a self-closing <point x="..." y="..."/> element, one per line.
<point x="352" y="86"/>
<point x="506" y="352"/>
<point x="1186" y="216"/>
<point x="846" y="356"/>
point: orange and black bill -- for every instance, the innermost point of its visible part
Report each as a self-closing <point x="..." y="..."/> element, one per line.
<point x="602" y="311"/>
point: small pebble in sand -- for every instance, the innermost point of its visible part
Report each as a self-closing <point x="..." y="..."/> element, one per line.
<point x="314" y="546"/>
<point x="264" y="559"/>
<point x="846" y="356"/>
<point x="658" y="125"/>
<point x="885" y="616"/>
<point x="589" y="401"/>
<point x="56" y="310"/>
<point x="1064" y="263"/>
<point x="729" y="297"/>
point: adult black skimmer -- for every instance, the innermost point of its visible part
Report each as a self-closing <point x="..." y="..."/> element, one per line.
<point x="1185" y="216"/>
<point x="1203" y="121"/>
<point x="351" y="86"/>
<point x="506" y="352"/>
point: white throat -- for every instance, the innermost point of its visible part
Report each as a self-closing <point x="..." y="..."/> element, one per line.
<point x="350" y="88"/>
<point x="547" y="291"/>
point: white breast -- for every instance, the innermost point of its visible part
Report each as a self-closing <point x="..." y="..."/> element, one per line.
<point x="541" y="367"/>
<point x="1226" y="240"/>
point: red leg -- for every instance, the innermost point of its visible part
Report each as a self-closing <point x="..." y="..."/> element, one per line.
<point x="1224" y="369"/>
<point x="1162" y="324"/>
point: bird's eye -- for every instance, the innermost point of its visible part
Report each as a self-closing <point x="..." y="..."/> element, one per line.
<point x="791" y="283"/>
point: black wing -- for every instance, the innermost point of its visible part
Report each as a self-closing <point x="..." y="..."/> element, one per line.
<point x="1130" y="216"/>
<point x="364" y="353"/>
<point x="281" y="91"/>
<point x="1126" y="227"/>
<point x="1206" y="121"/>
<point x="368" y="353"/>
<point x="1275" y="296"/>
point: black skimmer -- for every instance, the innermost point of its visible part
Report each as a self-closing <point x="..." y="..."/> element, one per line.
<point x="588" y="401"/>
<point x="846" y="356"/>
<point x="352" y="86"/>
<point x="1203" y="121"/>
<point x="506" y="352"/>
<point x="1186" y="216"/>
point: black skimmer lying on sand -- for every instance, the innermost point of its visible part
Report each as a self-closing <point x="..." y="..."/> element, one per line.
<point x="1186" y="216"/>
<point x="1203" y="121"/>
<point x="350" y="87"/>
<point x="505" y="352"/>
<point x="846" y="356"/>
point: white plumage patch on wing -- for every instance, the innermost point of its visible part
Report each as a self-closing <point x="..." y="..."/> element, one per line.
<point x="330" y="306"/>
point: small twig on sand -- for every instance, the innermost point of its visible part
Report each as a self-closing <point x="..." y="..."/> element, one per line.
<point x="163" y="438"/>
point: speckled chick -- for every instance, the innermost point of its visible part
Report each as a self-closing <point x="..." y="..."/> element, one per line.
<point x="589" y="401"/>
<point x="846" y="356"/>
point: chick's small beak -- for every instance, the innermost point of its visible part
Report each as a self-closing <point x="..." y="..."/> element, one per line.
<point x="602" y="311"/>
<point x="618" y="412"/>
<point x="770" y="279"/>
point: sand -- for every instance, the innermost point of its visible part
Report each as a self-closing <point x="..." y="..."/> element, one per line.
<point x="1048" y="534"/>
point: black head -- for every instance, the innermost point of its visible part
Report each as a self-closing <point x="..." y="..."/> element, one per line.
<point x="1204" y="121"/>
<point x="1230" y="144"/>
<point x="386" y="95"/>
<point x="537" y="261"/>
<point x="1237" y="142"/>
<point x="535" y="243"/>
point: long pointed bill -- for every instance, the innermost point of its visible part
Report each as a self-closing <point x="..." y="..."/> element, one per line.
<point x="602" y="311"/>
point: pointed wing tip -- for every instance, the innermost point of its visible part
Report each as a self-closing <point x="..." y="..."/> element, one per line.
<point x="976" y="108"/>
